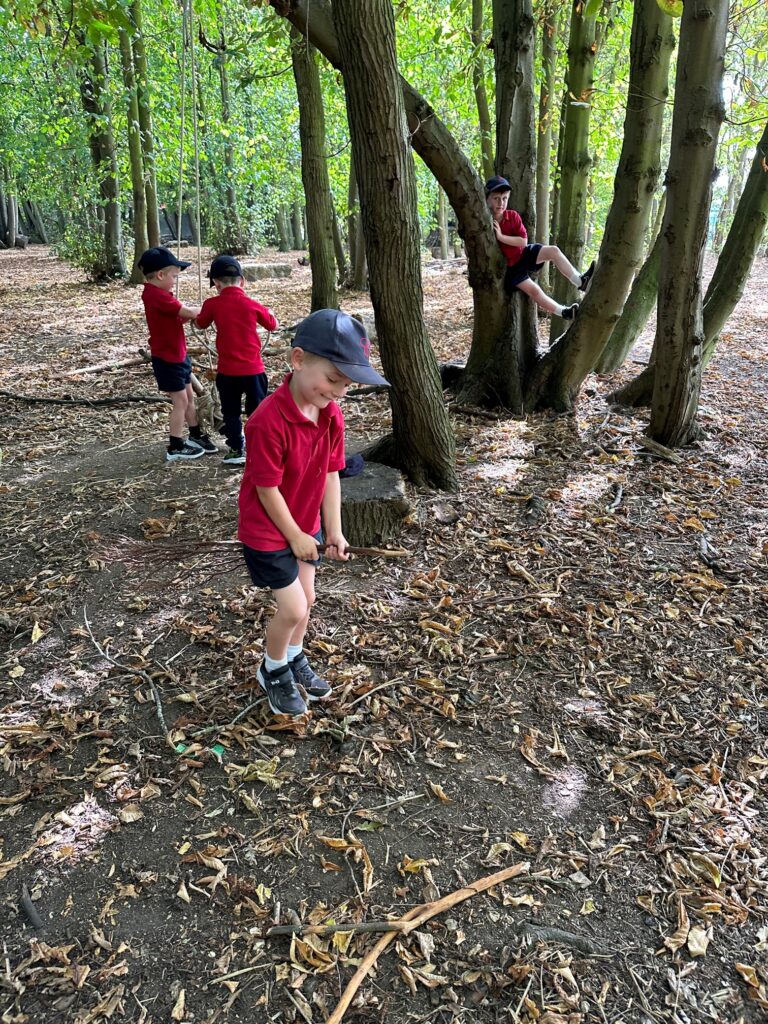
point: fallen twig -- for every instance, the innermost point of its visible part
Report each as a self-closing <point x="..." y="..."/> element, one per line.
<point x="414" y="919"/>
<point x="120" y="400"/>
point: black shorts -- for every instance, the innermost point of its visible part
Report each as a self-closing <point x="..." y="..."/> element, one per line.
<point x="275" y="569"/>
<point x="527" y="265"/>
<point x="171" y="376"/>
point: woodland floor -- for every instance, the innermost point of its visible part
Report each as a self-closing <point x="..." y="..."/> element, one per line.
<point x="570" y="684"/>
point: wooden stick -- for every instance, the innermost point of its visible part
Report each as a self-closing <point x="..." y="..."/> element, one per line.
<point x="180" y="548"/>
<point x="114" y="365"/>
<point x="119" y="400"/>
<point x="413" y="919"/>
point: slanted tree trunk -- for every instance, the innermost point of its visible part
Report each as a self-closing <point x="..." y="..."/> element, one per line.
<point x="98" y="113"/>
<point x="698" y="114"/>
<point x="423" y="443"/>
<point x="560" y="374"/>
<point x="36" y="220"/>
<point x="727" y="207"/>
<point x="637" y="309"/>
<point x="549" y="23"/>
<point x="145" y="124"/>
<point x="576" y="159"/>
<point x="314" y="172"/>
<point x="3" y="209"/>
<point x="481" y="95"/>
<point x="141" y="241"/>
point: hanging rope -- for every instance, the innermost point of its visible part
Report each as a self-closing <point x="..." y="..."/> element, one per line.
<point x="180" y="207"/>
<point x="197" y="149"/>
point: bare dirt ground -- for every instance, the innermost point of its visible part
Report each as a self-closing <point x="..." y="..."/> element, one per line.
<point x="560" y="676"/>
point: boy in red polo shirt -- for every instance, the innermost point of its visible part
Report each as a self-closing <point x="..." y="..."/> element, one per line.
<point x="524" y="260"/>
<point x="171" y="365"/>
<point x="295" y="449"/>
<point x="240" y="368"/>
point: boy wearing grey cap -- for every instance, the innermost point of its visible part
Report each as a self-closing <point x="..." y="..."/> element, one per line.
<point x="240" y="372"/>
<point x="294" y="451"/>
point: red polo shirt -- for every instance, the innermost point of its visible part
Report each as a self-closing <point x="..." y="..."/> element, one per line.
<point x="166" y="331"/>
<point x="237" y="339"/>
<point x="286" y="450"/>
<point x="511" y="224"/>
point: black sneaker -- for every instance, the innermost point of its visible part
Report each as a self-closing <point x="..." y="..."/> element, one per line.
<point x="586" y="277"/>
<point x="204" y="443"/>
<point x="305" y="675"/>
<point x="569" y="312"/>
<point x="282" y="695"/>
<point x="183" y="454"/>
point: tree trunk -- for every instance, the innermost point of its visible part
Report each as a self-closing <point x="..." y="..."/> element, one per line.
<point x="634" y="315"/>
<point x="481" y="95"/>
<point x="141" y="241"/>
<point x="549" y="24"/>
<point x="492" y="377"/>
<point x="284" y="234"/>
<point x="559" y="376"/>
<point x="145" y="123"/>
<point x="338" y="247"/>
<point x="696" y="121"/>
<point x="3" y="209"/>
<point x="35" y="217"/>
<point x="235" y="242"/>
<point x="387" y="182"/>
<point x="727" y="207"/>
<point x="12" y="220"/>
<point x="576" y="158"/>
<point x="442" y="223"/>
<point x="299" y="242"/>
<point x="98" y="113"/>
<point x="314" y="173"/>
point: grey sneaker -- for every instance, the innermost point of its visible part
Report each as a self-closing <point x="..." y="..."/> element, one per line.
<point x="586" y="277"/>
<point x="183" y="454"/>
<point x="282" y="695"/>
<point x="233" y="458"/>
<point x="204" y="443"/>
<point x="305" y="675"/>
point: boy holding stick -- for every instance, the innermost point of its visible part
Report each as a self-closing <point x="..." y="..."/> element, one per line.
<point x="294" y="451"/>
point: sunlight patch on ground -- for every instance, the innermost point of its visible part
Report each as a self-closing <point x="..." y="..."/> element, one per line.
<point x="577" y="494"/>
<point x="76" y="833"/>
<point x="564" y="792"/>
<point x="66" y="688"/>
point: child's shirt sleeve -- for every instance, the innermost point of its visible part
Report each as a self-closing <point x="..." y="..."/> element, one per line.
<point x="264" y="318"/>
<point x="207" y="314"/>
<point x="266" y="453"/>
<point x="337" y="459"/>
<point x="514" y="226"/>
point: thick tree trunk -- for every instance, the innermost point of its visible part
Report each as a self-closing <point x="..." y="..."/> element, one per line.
<point x="314" y="173"/>
<point x="634" y="315"/>
<point x="284" y="232"/>
<point x="492" y="377"/>
<point x="559" y="376"/>
<point x="576" y="158"/>
<point x="145" y="123"/>
<point x="481" y="95"/>
<point x="141" y="241"/>
<point x="102" y="145"/>
<point x="387" y="183"/>
<point x="549" y="22"/>
<point x="12" y="222"/>
<point x="696" y="121"/>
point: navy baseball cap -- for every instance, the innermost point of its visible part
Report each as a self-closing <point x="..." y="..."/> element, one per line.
<point x="340" y="338"/>
<point x="152" y="260"/>
<point x="224" y="266"/>
<point x="497" y="184"/>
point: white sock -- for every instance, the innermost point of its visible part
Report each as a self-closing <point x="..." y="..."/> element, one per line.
<point x="294" y="650"/>
<point x="559" y="310"/>
<point x="271" y="664"/>
<point x="575" y="278"/>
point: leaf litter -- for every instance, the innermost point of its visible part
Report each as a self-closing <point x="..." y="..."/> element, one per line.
<point x="568" y="670"/>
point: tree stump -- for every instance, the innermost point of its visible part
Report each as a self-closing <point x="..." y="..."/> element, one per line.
<point x="22" y="241"/>
<point x="262" y="271"/>
<point x="373" y="505"/>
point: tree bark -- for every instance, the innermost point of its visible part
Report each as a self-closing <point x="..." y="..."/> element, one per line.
<point x="35" y="217"/>
<point x="698" y="114"/>
<point x="235" y="241"/>
<point x="481" y="95"/>
<point x="634" y="315"/>
<point x="145" y="124"/>
<point x="338" y="246"/>
<point x="576" y="158"/>
<point x="12" y="221"/>
<point x="297" y="223"/>
<point x="98" y="113"/>
<point x="284" y="233"/>
<point x="560" y="374"/>
<point x="314" y="173"/>
<point x="141" y="241"/>
<point x="387" y="184"/>
<point x="442" y="223"/>
<point x="549" y="24"/>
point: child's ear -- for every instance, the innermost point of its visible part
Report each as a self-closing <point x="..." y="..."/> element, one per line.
<point x="297" y="358"/>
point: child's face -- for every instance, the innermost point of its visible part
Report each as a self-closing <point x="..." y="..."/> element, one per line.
<point x="497" y="203"/>
<point x="316" y="381"/>
<point x="167" y="278"/>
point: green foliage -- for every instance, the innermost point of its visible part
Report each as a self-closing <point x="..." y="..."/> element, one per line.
<point x="81" y="245"/>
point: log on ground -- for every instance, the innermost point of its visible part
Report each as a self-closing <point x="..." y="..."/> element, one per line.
<point x="373" y="505"/>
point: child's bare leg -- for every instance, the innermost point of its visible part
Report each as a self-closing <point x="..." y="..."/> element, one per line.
<point x="291" y="615"/>
<point x="191" y="410"/>
<point x="539" y="296"/>
<point x="179" y="403"/>
<point x="307" y="580"/>
<point x="553" y="254"/>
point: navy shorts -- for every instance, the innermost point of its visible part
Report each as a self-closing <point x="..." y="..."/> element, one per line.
<point x="527" y="265"/>
<point x="275" y="569"/>
<point x="171" y="376"/>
